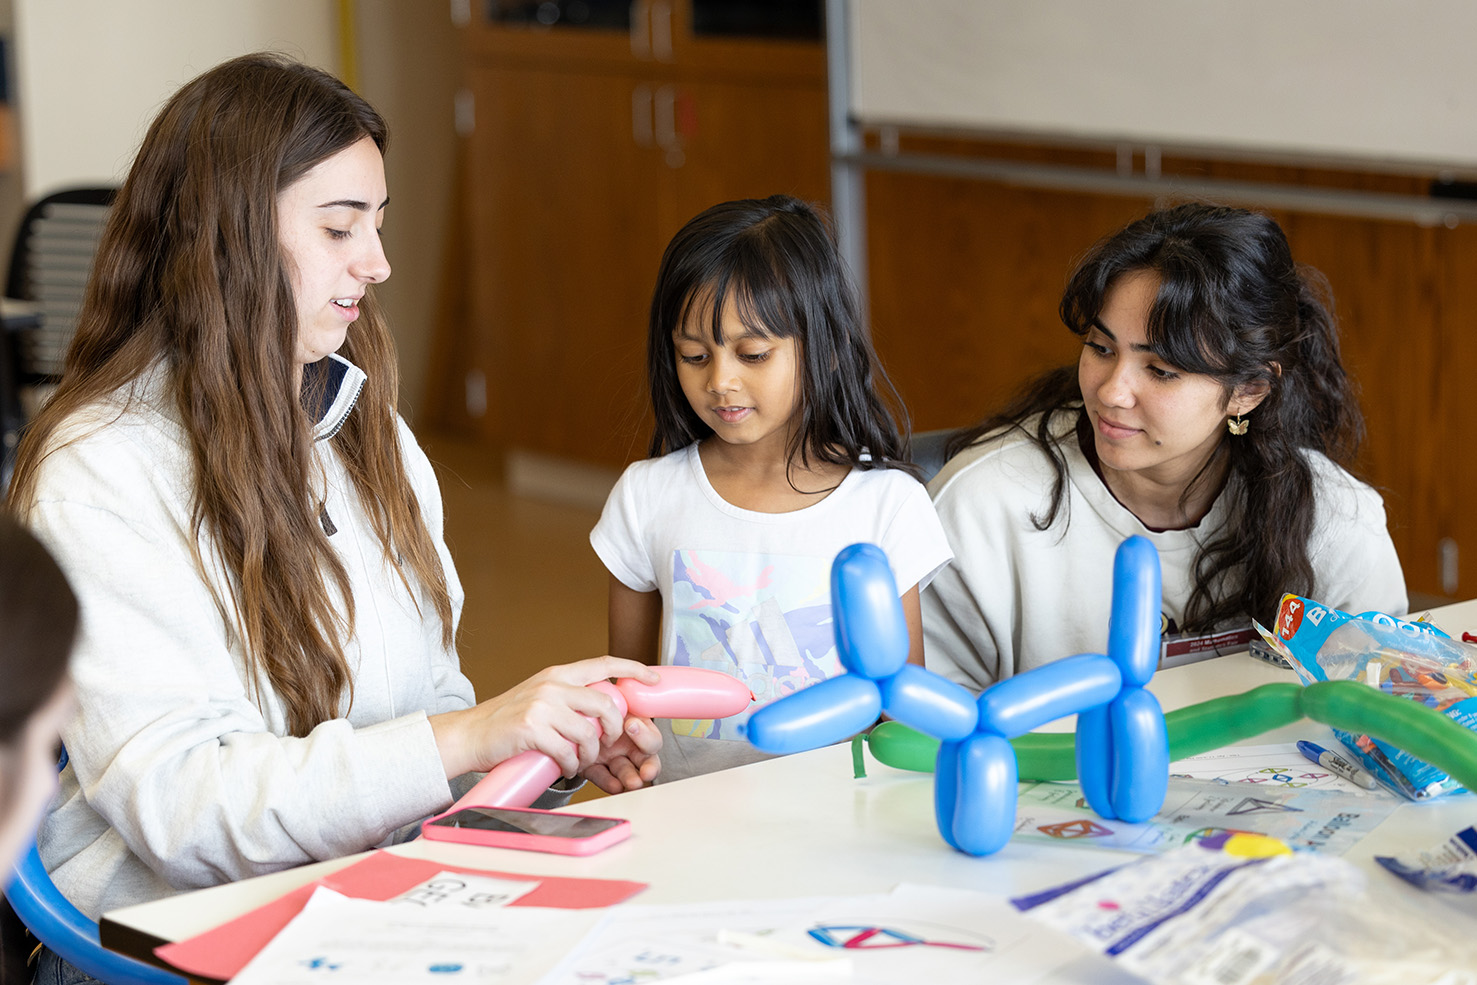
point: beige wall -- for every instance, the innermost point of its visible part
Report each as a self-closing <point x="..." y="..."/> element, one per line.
<point x="408" y="68"/>
<point x="90" y="74"/>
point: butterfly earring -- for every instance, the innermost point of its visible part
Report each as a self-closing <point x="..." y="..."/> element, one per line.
<point x="1238" y="426"/>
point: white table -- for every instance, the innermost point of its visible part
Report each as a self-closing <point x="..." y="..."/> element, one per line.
<point x="802" y="826"/>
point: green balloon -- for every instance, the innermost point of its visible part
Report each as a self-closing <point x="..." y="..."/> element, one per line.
<point x="1423" y="732"/>
<point x="1223" y="721"/>
<point x="896" y="745"/>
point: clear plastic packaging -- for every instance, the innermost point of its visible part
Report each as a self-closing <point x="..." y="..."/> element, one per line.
<point x="1411" y="660"/>
<point x="1201" y="915"/>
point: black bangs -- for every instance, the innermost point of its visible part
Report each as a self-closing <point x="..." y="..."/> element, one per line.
<point x="1210" y="297"/>
<point x="763" y="300"/>
<point x="773" y="263"/>
<point x="1183" y="333"/>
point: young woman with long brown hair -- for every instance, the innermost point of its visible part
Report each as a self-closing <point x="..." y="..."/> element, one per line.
<point x="266" y="673"/>
<point x="1209" y="412"/>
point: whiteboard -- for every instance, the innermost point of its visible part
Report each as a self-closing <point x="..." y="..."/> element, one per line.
<point x="1375" y="80"/>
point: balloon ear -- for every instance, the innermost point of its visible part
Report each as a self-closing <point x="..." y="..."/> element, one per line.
<point x="871" y="631"/>
<point x="1135" y="620"/>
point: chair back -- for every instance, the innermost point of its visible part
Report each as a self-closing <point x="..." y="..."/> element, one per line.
<point x="66" y="931"/>
<point x="49" y="265"/>
<point x="928" y="450"/>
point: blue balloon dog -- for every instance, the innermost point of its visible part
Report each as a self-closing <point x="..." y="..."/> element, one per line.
<point x="1122" y="745"/>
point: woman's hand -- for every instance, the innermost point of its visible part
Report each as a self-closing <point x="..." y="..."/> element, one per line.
<point x="553" y="711"/>
<point x="629" y="761"/>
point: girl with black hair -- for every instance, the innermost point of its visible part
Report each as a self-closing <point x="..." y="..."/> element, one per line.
<point x="1209" y="412"/>
<point x="773" y="450"/>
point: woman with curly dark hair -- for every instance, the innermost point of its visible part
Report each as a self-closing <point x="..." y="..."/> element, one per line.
<point x="1209" y="411"/>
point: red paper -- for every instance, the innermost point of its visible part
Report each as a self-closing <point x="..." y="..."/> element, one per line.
<point x="221" y="953"/>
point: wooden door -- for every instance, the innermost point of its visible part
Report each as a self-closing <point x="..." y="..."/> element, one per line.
<point x="566" y="245"/>
<point x="739" y="140"/>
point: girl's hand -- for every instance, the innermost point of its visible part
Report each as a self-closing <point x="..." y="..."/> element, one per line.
<point x="630" y="761"/>
<point x="552" y="712"/>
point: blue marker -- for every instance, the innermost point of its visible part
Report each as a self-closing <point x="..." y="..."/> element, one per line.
<point x="1337" y="765"/>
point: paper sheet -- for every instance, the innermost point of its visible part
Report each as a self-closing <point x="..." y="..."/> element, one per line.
<point x="1325" y="820"/>
<point x="452" y="931"/>
<point x="914" y="934"/>
<point x="223" y="951"/>
<point x="1279" y="766"/>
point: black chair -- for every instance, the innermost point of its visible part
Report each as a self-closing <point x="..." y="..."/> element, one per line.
<point x="49" y="266"/>
<point x="928" y="450"/>
<point x="12" y="414"/>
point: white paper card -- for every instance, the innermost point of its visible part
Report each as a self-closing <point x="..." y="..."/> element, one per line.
<point x="369" y="942"/>
<point x="913" y="934"/>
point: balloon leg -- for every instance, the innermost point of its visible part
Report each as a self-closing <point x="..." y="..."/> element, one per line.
<point x="984" y="810"/>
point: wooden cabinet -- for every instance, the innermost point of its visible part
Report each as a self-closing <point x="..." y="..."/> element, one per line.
<point x="966" y="276"/>
<point x="588" y="149"/>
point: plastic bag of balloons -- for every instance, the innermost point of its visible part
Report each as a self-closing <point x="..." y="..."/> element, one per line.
<point x="1412" y="660"/>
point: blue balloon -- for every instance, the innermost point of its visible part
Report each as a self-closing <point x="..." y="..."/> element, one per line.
<point x="1095" y="759"/>
<point x="1043" y="694"/>
<point x="1140" y="755"/>
<point x="946" y="780"/>
<point x="1122" y="744"/>
<point x="929" y="703"/>
<point x="984" y="810"/>
<point x="871" y="631"/>
<point x="1133" y="626"/>
<point x="823" y="713"/>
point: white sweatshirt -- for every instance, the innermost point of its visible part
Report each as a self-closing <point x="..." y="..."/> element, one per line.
<point x="181" y="771"/>
<point x="1017" y="597"/>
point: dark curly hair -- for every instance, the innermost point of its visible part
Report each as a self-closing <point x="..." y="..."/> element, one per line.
<point x="1234" y="306"/>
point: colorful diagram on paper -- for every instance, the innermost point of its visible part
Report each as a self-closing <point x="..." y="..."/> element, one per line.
<point x="1320" y="820"/>
<point x="854" y="937"/>
<point x="1279" y="765"/>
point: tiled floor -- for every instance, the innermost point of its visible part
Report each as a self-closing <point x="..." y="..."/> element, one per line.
<point x="535" y="590"/>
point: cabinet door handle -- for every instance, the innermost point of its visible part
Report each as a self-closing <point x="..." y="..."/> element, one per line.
<point x="666" y="116"/>
<point x="661" y="30"/>
<point x="640" y="29"/>
<point x="664" y="113"/>
<point x="642" y="111"/>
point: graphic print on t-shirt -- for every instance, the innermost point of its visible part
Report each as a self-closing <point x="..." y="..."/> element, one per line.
<point x="763" y="618"/>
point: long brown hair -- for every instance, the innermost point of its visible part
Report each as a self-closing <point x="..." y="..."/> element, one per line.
<point x="190" y="273"/>
<point x="1233" y="305"/>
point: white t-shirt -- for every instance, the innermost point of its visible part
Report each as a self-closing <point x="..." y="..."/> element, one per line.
<point x="1017" y="597"/>
<point x="749" y="593"/>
